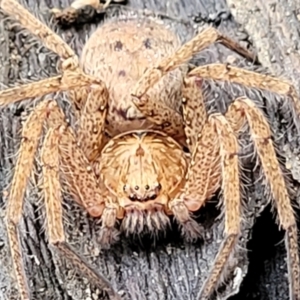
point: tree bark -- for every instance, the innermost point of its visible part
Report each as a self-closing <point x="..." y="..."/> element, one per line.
<point x="171" y="268"/>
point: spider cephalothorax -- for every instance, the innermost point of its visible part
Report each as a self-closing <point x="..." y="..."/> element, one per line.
<point x="133" y="85"/>
<point x="143" y="170"/>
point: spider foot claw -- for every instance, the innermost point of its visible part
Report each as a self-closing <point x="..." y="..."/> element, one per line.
<point x="108" y="236"/>
<point x="191" y="231"/>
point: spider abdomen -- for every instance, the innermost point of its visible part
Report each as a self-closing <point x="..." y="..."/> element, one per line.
<point x="118" y="53"/>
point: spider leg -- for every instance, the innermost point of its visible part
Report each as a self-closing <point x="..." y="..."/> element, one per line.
<point x="182" y="55"/>
<point x="50" y="158"/>
<point x="77" y="154"/>
<point x="194" y="110"/>
<point x="160" y="114"/>
<point x="232" y="200"/>
<point x="92" y="121"/>
<point x="80" y="179"/>
<point x="248" y="78"/>
<point x="72" y="77"/>
<point x="31" y="131"/>
<point x="212" y="156"/>
<point x="68" y="80"/>
<point x="53" y="150"/>
<point x="51" y="40"/>
<point x="261" y="134"/>
<point x="203" y="177"/>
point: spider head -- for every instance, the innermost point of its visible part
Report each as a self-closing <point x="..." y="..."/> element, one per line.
<point x="143" y="170"/>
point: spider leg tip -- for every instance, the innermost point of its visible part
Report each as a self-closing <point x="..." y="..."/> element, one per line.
<point x="108" y="237"/>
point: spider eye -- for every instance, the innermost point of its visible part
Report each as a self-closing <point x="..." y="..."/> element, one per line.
<point x="147" y="187"/>
<point x="132" y="197"/>
<point x="159" y="186"/>
<point x="124" y="188"/>
<point x="153" y="197"/>
<point x="136" y="187"/>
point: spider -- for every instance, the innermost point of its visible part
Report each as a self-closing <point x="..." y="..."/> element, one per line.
<point x="139" y="105"/>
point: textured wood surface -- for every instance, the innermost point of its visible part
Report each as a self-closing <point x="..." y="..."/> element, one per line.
<point x="171" y="269"/>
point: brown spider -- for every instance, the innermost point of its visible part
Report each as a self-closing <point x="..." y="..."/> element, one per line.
<point x="126" y="160"/>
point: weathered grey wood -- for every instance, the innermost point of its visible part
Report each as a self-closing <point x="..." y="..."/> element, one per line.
<point x="170" y="270"/>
